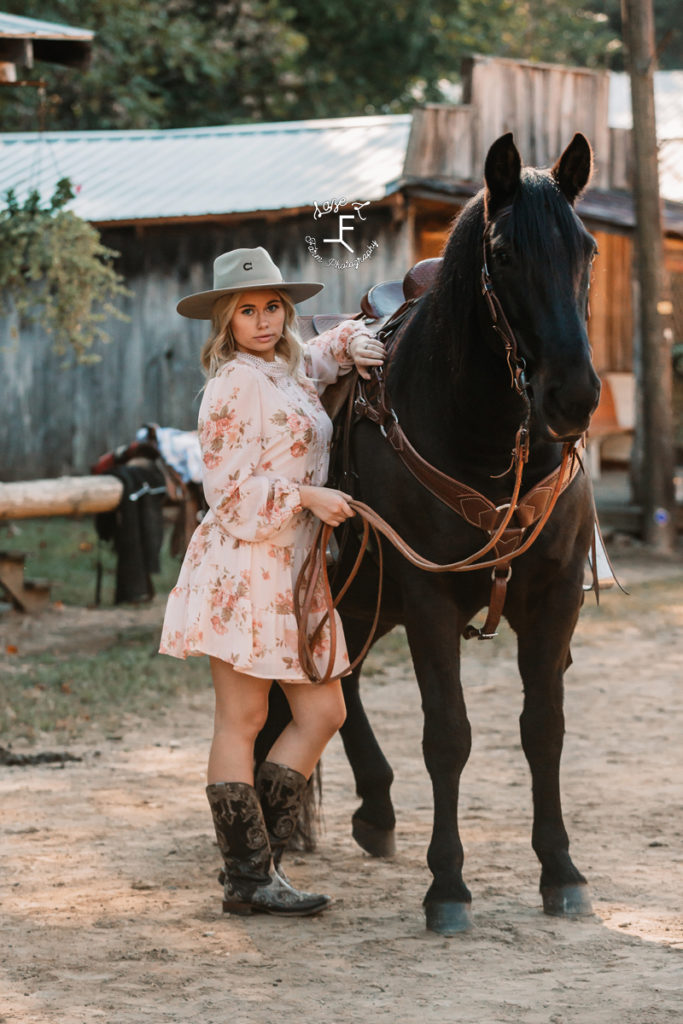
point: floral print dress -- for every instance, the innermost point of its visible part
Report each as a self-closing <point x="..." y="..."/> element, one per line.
<point x="263" y="433"/>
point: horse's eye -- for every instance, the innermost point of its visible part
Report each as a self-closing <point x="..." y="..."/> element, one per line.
<point x="502" y="256"/>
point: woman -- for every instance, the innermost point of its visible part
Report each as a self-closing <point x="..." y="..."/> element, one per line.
<point x="265" y="441"/>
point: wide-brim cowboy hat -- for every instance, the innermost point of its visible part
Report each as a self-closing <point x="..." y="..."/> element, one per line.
<point x="243" y="270"/>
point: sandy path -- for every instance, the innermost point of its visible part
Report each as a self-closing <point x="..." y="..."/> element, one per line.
<point x="110" y="911"/>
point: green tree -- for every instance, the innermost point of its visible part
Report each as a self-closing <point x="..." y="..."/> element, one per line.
<point x="165" y="64"/>
<point x="55" y="271"/>
<point x="668" y="30"/>
<point x="199" y="62"/>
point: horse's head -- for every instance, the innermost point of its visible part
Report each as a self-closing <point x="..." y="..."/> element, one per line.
<point x="539" y="258"/>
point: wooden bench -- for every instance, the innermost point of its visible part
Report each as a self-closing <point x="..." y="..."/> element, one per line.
<point x="25" y="595"/>
<point x="614" y="418"/>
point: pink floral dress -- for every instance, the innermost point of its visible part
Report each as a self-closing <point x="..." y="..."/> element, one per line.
<point x="263" y="433"/>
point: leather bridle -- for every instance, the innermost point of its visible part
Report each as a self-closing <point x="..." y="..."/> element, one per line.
<point x="505" y="540"/>
<point x="501" y="325"/>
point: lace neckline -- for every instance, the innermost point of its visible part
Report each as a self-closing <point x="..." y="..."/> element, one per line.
<point x="275" y="368"/>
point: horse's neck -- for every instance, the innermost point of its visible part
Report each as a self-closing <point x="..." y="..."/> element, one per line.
<point x="464" y="418"/>
<point x="464" y="415"/>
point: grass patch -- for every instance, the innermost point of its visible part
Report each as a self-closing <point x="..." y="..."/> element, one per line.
<point x="64" y="551"/>
<point x="69" y="695"/>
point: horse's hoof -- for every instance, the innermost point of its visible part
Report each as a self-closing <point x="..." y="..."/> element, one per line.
<point x="449" y="918"/>
<point x="566" y="900"/>
<point x="378" y="842"/>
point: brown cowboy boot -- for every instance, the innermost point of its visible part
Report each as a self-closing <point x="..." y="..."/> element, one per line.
<point x="249" y="884"/>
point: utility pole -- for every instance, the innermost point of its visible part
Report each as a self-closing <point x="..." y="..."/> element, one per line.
<point x="655" y="383"/>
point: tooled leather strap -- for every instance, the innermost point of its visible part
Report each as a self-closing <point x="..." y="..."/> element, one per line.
<point x="315" y="564"/>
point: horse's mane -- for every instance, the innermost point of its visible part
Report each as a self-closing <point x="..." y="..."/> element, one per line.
<point x="447" y="318"/>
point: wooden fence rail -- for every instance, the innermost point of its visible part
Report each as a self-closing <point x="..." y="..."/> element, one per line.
<point x="63" y="496"/>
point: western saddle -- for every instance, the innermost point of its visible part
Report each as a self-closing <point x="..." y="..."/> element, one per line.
<point x="377" y="306"/>
<point x="379" y="303"/>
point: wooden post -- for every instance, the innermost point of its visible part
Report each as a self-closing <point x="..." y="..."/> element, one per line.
<point x="657" y="468"/>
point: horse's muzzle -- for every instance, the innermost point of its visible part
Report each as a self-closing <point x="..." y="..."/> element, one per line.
<point x="566" y="408"/>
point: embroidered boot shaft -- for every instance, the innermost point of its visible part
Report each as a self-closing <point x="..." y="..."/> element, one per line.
<point x="282" y="792"/>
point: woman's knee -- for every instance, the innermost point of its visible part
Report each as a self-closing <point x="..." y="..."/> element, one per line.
<point x="241" y="701"/>
<point x="245" y="722"/>
<point x="328" y="715"/>
<point x="337" y="715"/>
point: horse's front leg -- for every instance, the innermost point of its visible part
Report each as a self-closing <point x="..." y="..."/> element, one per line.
<point x="374" y="821"/>
<point x="543" y="651"/>
<point x="434" y="625"/>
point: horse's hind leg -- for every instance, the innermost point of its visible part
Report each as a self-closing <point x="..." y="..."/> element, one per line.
<point x="374" y="821"/>
<point x="542" y="655"/>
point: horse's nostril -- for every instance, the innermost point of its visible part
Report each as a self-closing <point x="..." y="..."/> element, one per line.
<point x="568" y="408"/>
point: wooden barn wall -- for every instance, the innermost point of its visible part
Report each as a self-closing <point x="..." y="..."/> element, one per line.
<point x="674" y="266"/>
<point x="542" y="104"/>
<point x="58" y="421"/>
<point x="611" y="323"/>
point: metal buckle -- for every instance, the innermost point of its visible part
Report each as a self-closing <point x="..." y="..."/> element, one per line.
<point x="381" y="426"/>
<point x="506" y="578"/>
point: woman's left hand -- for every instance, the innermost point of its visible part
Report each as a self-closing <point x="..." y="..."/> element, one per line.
<point x="366" y="350"/>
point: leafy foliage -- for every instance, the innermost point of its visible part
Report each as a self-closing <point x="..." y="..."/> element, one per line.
<point x="200" y="62"/>
<point x="54" y="270"/>
<point x="183" y="63"/>
<point x="668" y="30"/>
<point x="161" y="65"/>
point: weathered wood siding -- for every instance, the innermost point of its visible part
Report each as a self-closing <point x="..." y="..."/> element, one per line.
<point x="58" y="421"/>
<point x="611" y="323"/>
<point x="440" y="143"/>
<point x="542" y="104"/>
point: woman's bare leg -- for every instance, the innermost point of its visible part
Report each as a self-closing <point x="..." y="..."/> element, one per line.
<point x="317" y="713"/>
<point x="241" y="711"/>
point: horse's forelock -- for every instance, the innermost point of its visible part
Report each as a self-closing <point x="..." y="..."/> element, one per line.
<point x="542" y="225"/>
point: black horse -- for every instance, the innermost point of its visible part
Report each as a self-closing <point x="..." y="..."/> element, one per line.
<point x="449" y="383"/>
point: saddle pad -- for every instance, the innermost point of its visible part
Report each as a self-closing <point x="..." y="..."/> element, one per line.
<point x="310" y="327"/>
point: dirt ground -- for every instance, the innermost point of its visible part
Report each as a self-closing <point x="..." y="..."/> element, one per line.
<point x="111" y="911"/>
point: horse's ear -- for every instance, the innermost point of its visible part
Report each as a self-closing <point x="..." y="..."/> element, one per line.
<point x="573" y="170"/>
<point x="501" y="172"/>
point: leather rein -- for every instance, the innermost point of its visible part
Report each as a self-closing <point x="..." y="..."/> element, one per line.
<point x="505" y="541"/>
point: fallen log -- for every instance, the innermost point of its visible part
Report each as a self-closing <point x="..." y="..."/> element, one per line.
<point x="64" y="496"/>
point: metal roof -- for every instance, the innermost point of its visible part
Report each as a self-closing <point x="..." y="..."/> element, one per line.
<point x="668" y="89"/>
<point x="194" y="172"/>
<point x="130" y="175"/>
<point x="13" y="25"/>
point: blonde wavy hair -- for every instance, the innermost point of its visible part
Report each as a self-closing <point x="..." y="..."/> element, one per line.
<point x="221" y="347"/>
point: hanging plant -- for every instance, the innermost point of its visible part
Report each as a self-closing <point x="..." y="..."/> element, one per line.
<point x="54" y="271"/>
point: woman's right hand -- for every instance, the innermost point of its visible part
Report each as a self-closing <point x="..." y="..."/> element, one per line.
<point x="327" y="504"/>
